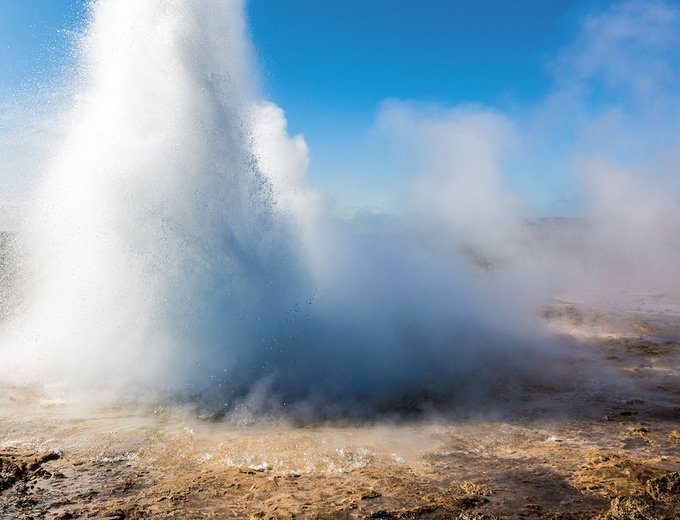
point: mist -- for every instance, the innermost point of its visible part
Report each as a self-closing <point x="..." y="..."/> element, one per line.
<point x="170" y="246"/>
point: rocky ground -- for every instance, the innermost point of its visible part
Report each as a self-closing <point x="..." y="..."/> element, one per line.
<point x="602" y="451"/>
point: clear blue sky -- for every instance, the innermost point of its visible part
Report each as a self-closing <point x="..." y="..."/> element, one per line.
<point x="331" y="63"/>
<point x="348" y="55"/>
<point x="345" y="56"/>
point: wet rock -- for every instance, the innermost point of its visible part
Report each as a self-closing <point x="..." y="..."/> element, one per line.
<point x="632" y="508"/>
<point x="430" y="512"/>
<point x="383" y="514"/>
<point x="473" y="488"/>
<point x="471" y="502"/>
<point x="665" y="488"/>
<point x="21" y="467"/>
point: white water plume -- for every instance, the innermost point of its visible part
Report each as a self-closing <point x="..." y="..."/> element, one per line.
<point x="154" y="234"/>
<point x="173" y="249"/>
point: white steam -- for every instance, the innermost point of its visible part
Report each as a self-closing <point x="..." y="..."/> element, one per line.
<point x="602" y="145"/>
<point x="173" y="248"/>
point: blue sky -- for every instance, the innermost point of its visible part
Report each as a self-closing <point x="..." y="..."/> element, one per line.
<point x="34" y="36"/>
<point x="332" y="64"/>
<point x="343" y="57"/>
<point x="347" y="56"/>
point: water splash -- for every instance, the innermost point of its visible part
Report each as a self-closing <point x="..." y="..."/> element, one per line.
<point x="173" y="249"/>
<point x="154" y="226"/>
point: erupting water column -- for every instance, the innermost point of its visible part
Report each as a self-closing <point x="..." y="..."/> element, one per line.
<point x="155" y="252"/>
<point x="167" y="254"/>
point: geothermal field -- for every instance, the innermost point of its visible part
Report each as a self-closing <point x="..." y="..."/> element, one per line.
<point x="190" y="327"/>
<point x="571" y="447"/>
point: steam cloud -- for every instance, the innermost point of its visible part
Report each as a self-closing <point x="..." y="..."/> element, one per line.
<point x="173" y="249"/>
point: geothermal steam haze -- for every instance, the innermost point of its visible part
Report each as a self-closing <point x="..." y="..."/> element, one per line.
<point x="172" y="247"/>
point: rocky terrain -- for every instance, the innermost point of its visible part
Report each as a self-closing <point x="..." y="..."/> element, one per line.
<point x="604" y="451"/>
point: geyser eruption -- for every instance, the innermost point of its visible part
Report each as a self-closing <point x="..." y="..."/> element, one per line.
<point x="168" y="253"/>
<point x="155" y="234"/>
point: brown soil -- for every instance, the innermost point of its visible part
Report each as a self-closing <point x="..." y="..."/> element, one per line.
<point x="605" y="452"/>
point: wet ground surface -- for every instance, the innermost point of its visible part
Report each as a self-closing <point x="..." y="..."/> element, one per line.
<point x="609" y="451"/>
